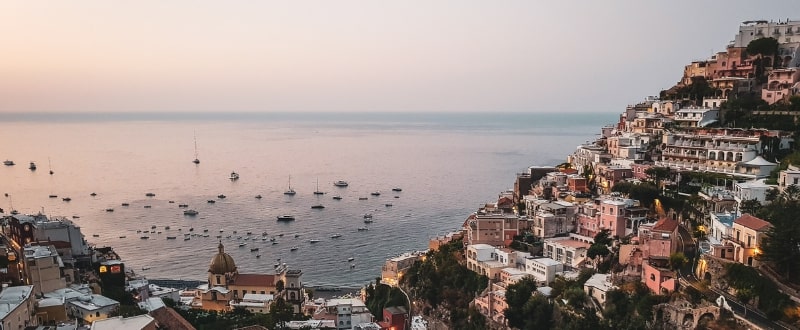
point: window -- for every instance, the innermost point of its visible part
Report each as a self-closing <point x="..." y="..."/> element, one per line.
<point x="652" y="277"/>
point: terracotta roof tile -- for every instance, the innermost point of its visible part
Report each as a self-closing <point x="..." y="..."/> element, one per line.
<point x="752" y="222"/>
<point x="168" y="318"/>
<point x="666" y="224"/>
<point x="262" y="280"/>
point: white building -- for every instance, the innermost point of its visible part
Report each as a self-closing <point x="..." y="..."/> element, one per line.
<point x="254" y="302"/>
<point x="789" y="176"/>
<point x="696" y="116"/>
<point x="598" y="286"/>
<point x="749" y="190"/>
<point x="139" y="322"/>
<point x="570" y="251"/>
<point x="543" y="269"/>
<point x="346" y="311"/>
<point x="17" y="307"/>
<point x="92" y="307"/>
<point x="721" y="224"/>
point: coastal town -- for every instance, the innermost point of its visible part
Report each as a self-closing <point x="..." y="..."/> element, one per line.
<point x="680" y="215"/>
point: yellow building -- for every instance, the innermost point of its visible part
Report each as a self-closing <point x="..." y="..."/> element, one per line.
<point x="226" y="284"/>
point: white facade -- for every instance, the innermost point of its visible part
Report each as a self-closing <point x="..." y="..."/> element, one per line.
<point x="349" y="312"/>
<point x="721" y="224"/>
<point x="92" y="307"/>
<point x="543" y="269"/>
<point x="254" y="302"/>
<point x="44" y="268"/>
<point x="749" y="190"/>
<point x="62" y="229"/>
<point x="696" y="116"/>
<point x="789" y="176"/>
<point x="784" y="32"/>
<point x="570" y="251"/>
<point x="598" y="286"/>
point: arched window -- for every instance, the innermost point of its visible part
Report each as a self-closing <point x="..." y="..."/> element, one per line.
<point x="738" y="156"/>
<point x="652" y="277"/>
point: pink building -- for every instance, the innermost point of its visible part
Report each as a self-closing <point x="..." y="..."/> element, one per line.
<point x="621" y="216"/>
<point x="658" y="243"/>
<point x="782" y="83"/>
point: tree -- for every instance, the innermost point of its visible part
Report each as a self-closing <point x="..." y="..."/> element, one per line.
<point x="281" y="312"/>
<point x="279" y="285"/>
<point x="677" y="260"/>
<point x="781" y="245"/>
<point x="750" y="206"/>
<point x="657" y="174"/>
<point x="763" y="47"/>
<point x="517" y="295"/>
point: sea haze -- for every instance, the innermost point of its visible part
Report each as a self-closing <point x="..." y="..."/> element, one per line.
<point x="446" y="165"/>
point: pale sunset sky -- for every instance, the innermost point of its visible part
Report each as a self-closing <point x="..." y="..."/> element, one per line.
<point x="356" y="56"/>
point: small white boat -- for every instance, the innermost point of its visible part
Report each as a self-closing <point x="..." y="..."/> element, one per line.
<point x="8" y="163"/>
<point x="290" y="191"/>
<point x="337" y="197"/>
<point x="313" y="241"/>
<point x="318" y="206"/>
<point x="221" y="196"/>
<point x="242" y="244"/>
<point x="294" y="248"/>
<point x="351" y="259"/>
<point x="397" y="189"/>
<point x="375" y="193"/>
<point x="190" y="212"/>
<point x="145" y="268"/>
<point x="234" y="176"/>
<point x="341" y="183"/>
<point x="318" y="192"/>
<point x="336" y="235"/>
<point x="368" y="216"/>
<point x="368" y="220"/>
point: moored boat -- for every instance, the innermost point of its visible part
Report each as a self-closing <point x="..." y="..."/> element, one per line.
<point x="150" y="194"/>
<point x="32" y="167"/>
<point x="8" y="163"/>
<point x="285" y="217"/>
<point x="341" y="183"/>
<point x="190" y="212"/>
<point x="337" y="197"/>
<point x="109" y="210"/>
<point x="318" y="206"/>
<point x="313" y="241"/>
<point x="66" y="199"/>
<point x="221" y="196"/>
<point x="397" y="189"/>
<point x="234" y="176"/>
<point x="375" y="193"/>
<point x="336" y="235"/>
<point x="294" y="248"/>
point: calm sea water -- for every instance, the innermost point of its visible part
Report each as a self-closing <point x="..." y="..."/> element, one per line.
<point x="446" y="164"/>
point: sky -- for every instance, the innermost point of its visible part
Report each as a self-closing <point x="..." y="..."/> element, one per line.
<point x="356" y="56"/>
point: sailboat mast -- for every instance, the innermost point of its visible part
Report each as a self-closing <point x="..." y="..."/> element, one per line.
<point x="196" y="159"/>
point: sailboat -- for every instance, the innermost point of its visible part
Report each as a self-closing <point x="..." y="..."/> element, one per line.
<point x="196" y="160"/>
<point x="291" y="191"/>
<point x="50" y="165"/>
<point x="317" y="192"/>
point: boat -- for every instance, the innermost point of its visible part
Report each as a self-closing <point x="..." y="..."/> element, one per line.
<point x="145" y="268"/>
<point x="187" y="238"/>
<point x="336" y="235"/>
<point x="93" y="194"/>
<point x="123" y="236"/>
<point x="388" y="204"/>
<point x="290" y="191"/>
<point x="53" y="196"/>
<point x="375" y="193"/>
<point x="109" y="210"/>
<point x="190" y="212"/>
<point x="280" y="235"/>
<point x="221" y="196"/>
<point x="317" y="192"/>
<point x="337" y="197"/>
<point x="340" y="183"/>
<point x="352" y="266"/>
<point x="8" y="163"/>
<point x="150" y="194"/>
<point x="171" y="202"/>
<point x="396" y="196"/>
<point x="253" y="249"/>
<point x="49" y="165"/>
<point x="242" y="244"/>
<point x="234" y="176"/>
<point x="153" y="227"/>
<point x="397" y="189"/>
<point x="66" y="199"/>
<point x="351" y="259"/>
<point x="211" y="201"/>
<point x="196" y="160"/>
<point x="363" y="198"/>
<point x="171" y="237"/>
<point x="274" y="242"/>
<point x="95" y="235"/>
<point x="258" y="196"/>
<point x="313" y="241"/>
<point x="285" y="217"/>
<point x="318" y="206"/>
<point x="368" y="220"/>
<point x="296" y="235"/>
<point x="145" y="237"/>
<point x="148" y="206"/>
<point x="294" y="248"/>
<point x="183" y="205"/>
<point x="258" y="256"/>
<point x="368" y="216"/>
<point x="363" y="228"/>
<point x="32" y="167"/>
<point x="166" y="227"/>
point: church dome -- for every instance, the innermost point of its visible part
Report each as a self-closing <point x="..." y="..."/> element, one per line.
<point x="222" y="262"/>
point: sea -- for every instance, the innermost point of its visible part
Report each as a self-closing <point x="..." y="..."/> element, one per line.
<point x="447" y="165"/>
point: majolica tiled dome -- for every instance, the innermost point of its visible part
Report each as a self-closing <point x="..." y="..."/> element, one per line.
<point x="222" y="263"/>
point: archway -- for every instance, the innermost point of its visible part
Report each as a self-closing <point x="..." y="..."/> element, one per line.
<point x="707" y="277"/>
<point x="688" y="320"/>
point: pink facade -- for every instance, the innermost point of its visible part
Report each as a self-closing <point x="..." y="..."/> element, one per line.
<point x="658" y="279"/>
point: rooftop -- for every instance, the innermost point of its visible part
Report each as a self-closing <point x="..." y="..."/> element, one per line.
<point x="261" y="280"/>
<point x="752" y="222"/>
<point x="120" y="323"/>
<point x="13" y="296"/>
<point x="94" y="302"/>
<point x="600" y="281"/>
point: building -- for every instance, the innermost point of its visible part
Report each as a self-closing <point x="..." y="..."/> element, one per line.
<point x="751" y="190"/>
<point x="659" y="241"/>
<point x="543" y="269"/>
<point x="747" y="235"/>
<point x="139" y="322"/>
<point x="394" y="268"/>
<point x="621" y="216"/>
<point x="493" y="305"/>
<point x="254" y="302"/>
<point x="598" y="287"/>
<point x="492" y="229"/>
<point x="345" y="312"/>
<point x="17" y="305"/>
<point x="696" y="116"/>
<point x="551" y="218"/>
<point x="789" y="176"/>
<point x="92" y="307"/>
<point x="781" y="84"/>
<point x="395" y="317"/>
<point x="44" y="269"/>
<point x="24" y="229"/>
<point x="570" y="251"/>
<point x="227" y="287"/>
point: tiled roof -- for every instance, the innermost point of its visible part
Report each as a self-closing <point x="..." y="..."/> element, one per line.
<point x="168" y="318"/>
<point x="752" y="222"/>
<point x="262" y="280"/>
<point x="666" y="224"/>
